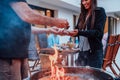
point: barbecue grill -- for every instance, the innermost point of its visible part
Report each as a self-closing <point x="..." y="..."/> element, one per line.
<point x="76" y="73"/>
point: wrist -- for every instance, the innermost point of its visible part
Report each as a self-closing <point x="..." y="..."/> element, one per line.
<point x="52" y="22"/>
<point x="55" y="22"/>
<point x="49" y="30"/>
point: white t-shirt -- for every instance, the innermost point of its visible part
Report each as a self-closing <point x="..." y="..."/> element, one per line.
<point x="84" y="44"/>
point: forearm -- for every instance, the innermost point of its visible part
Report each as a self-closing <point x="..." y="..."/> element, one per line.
<point x="33" y="17"/>
<point x="37" y="18"/>
<point x="37" y="30"/>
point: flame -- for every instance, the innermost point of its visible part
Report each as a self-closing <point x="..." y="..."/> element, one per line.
<point x="53" y="58"/>
<point x="56" y="72"/>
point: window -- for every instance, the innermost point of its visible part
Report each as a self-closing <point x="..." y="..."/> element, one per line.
<point x="42" y="11"/>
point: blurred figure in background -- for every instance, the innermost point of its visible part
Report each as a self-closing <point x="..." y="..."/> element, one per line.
<point x="53" y="39"/>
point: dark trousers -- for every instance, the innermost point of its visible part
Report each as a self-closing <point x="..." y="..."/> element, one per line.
<point x="92" y="59"/>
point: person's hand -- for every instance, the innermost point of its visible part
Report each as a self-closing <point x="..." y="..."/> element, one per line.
<point x="54" y="30"/>
<point x="72" y="32"/>
<point x="64" y="32"/>
<point x="62" y="23"/>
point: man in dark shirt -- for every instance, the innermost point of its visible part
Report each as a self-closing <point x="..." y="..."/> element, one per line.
<point x="15" y="30"/>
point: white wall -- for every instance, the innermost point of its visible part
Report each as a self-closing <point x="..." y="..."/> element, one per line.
<point x="73" y="2"/>
<point x="110" y="5"/>
<point x="41" y="4"/>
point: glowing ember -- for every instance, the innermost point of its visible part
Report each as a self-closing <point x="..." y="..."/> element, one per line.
<point x="66" y="78"/>
<point x="56" y="73"/>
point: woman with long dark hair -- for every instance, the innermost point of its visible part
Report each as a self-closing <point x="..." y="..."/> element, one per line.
<point x="90" y="29"/>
